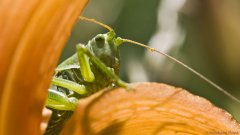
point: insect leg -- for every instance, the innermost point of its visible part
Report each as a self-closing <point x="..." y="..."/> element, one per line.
<point x="80" y="89"/>
<point x="60" y="101"/>
<point x="101" y="65"/>
<point x="85" y="68"/>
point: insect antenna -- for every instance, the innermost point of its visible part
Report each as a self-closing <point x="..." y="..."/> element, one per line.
<point x="96" y="22"/>
<point x="187" y="67"/>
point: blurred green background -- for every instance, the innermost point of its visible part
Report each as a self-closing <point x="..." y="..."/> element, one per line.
<point x="203" y="34"/>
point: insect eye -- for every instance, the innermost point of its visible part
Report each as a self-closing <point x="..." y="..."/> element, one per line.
<point x="100" y="41"/>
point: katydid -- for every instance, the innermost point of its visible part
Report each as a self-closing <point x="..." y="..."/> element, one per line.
<point x="93" y="67"/>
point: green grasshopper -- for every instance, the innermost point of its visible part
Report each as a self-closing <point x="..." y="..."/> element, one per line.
<point x="93" y="67"/>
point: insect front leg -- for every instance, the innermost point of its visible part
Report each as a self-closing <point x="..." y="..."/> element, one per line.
<point x="82" y="50"/>
<point x="84" y="63"/>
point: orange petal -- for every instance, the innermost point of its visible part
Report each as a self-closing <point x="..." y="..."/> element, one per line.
<point x="33" y="33"/>
<point x="151" y="109"/>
